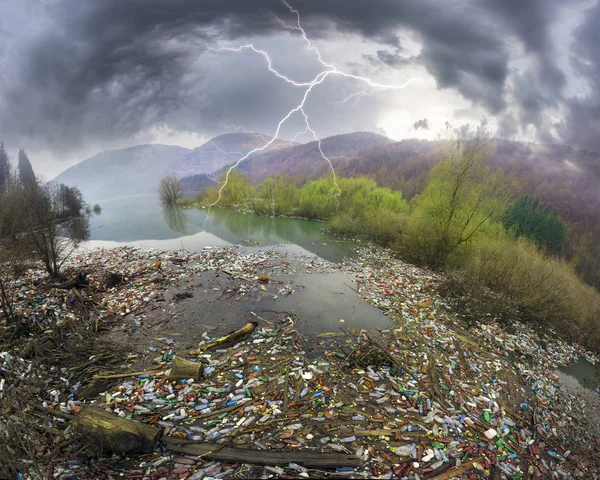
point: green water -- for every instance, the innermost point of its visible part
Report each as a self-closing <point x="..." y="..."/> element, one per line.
<point x="580" y="375"/>
<point x="142" y="221"/>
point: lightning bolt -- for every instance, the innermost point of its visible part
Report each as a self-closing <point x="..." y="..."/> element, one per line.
<point x="328" y="70"/>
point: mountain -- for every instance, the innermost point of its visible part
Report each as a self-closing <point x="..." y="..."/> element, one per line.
<point x="300" y="160"/>
<point x="138" y="170"/>
<point x="222" y="151"/>
<point x="125" y="172"/>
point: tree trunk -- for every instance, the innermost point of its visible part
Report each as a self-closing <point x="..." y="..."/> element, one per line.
<point x="310" y="459"/>
<point x="111" y="433"/>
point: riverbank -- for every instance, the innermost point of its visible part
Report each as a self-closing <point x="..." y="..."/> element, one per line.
<point x="423" y="396"/>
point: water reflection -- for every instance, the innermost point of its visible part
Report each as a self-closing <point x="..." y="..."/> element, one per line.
<point x="143" y="221"/>
<point x="175" y="217"/>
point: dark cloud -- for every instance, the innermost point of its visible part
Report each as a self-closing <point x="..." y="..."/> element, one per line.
<point x="581" y="124"/>
<point x="396" y="58"/>
<point x="421" y="124"/>
<point x="112" y="68"/>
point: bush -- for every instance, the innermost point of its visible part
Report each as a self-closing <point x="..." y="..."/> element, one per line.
<point x="235" y="193"/>
<point x="500" y="272"/>
<point x="276" y="196"/>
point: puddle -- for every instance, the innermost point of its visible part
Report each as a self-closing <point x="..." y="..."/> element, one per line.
<point x="323" y="299"/>
<point x="581" y="375"/>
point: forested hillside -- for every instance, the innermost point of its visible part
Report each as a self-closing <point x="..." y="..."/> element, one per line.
<point x="565" y="179"/>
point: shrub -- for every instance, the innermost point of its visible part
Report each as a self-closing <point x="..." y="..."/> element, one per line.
<point x="500" y="272"/>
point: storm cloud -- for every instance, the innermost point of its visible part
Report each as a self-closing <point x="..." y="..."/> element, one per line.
<point x="74" y="72"/>
<point x="421" y="124"/>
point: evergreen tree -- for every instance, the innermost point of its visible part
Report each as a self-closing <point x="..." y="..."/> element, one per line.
<point x="4" y="167"/>
<point x="26" y="174"/>
<point x="529" y="218"/>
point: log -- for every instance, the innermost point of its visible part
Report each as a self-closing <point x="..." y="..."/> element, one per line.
<point x="127" y="374"/>
<point x="112" y="433"/>
<point x="458" y="471"/>
<point x="309" y="459"/>
<point x="231" y="338"/>
<point x="183" y="369"/>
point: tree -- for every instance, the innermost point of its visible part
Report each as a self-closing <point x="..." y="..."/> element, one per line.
<point x="11" y="249"/>
<point x="277" y="196"/>
<point x="4" y="167"/>
<point x="238" y="190"/>
<point x="460" y="201"/>
<point x="5" y="296"/>
<point x="170" y="190"/>
<point x="26" y="174"/>
<point x="530" y="218"/>
<point x="57" y="222"/>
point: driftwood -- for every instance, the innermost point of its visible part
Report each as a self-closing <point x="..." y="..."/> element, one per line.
<point x="80" y="281"/>
<point x="259" y="457"/>
<point x="183" y="369"/>
<point x="127" y="374"/>
<point x="112" y="433"/>
<point x="458" y="471"/>
<point x="115" y="434"/>
<point x="231" y="338"/>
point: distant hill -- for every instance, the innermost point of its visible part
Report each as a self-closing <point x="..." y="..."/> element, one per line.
<point x="300" y="160"/>
<point x="222" y="151"/>
<point x="138" y="170"/>
<point x="125" y="172"/>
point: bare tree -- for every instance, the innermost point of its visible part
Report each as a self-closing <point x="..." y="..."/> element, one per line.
<point x="10" y="226"/>
<point x="58" y="221"/>
<point x="170" y="190"/>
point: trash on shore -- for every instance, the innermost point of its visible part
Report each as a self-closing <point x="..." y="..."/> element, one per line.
<point x="425" y="399"/>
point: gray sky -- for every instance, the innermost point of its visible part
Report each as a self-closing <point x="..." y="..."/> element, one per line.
<point x="78" y="77"/>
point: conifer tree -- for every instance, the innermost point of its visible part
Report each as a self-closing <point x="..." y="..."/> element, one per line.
<point x="4" y="167"/>
<point x="26" y="174"/>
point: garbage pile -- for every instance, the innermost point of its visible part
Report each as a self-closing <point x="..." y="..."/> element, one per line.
<point x="13" y="370"/>
<point x="425" y="399"/>
<point x="410" y="292"/>
<point x="127" y="281"/>
<point x="402" y="408"/>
